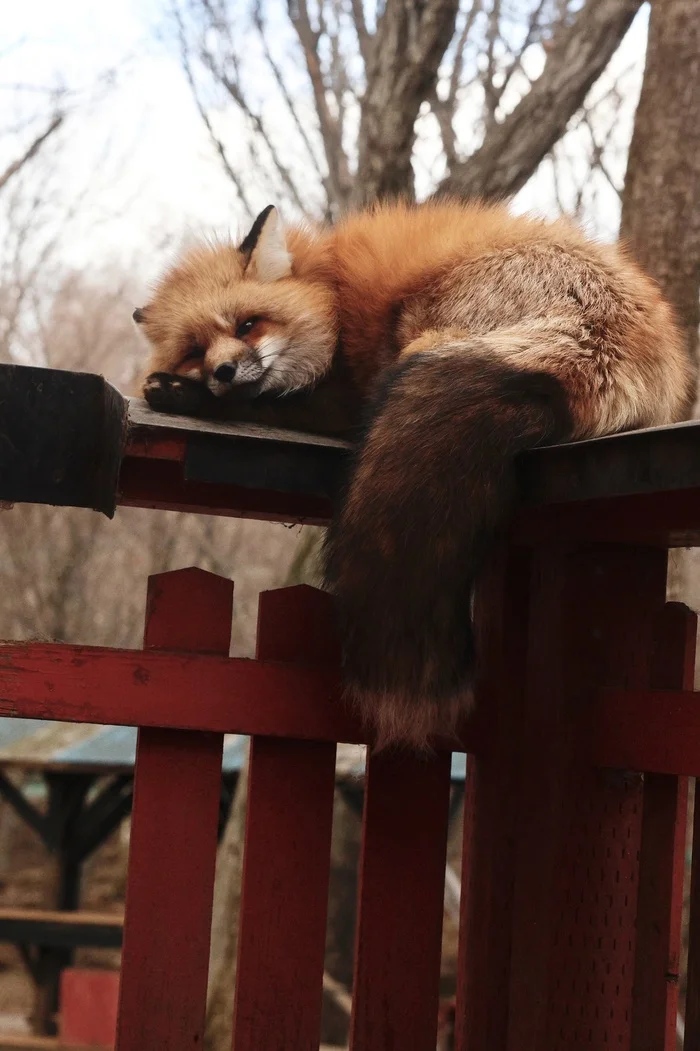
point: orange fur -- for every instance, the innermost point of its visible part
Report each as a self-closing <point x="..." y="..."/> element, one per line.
<point x="427" y="263"/>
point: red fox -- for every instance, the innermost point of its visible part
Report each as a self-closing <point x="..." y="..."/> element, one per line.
<point x="447" y="338"/>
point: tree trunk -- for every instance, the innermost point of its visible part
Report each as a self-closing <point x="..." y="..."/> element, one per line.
<point x="342" y="908"/>
<point x="661" y="202"/>
<point x="224" y="934"/>
<point x="410" y="43"/>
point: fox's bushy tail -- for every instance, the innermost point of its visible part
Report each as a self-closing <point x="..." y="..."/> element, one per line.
<point x="430" y="488"/>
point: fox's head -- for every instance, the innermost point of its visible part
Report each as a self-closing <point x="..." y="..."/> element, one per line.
<point x="242" y="318"/>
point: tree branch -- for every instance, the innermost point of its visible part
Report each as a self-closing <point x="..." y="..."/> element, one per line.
<point x="289" y="102"/>
<point x="338" y="170"/>
<point x="31" y="151"/>
<point x="492" y="94"/>
<point x="512" y="151"/>
<point x="444" y="109"/>
<point x="410" y="42"/>
<point x="215" y="140"/>
<point x="364" y="37"/>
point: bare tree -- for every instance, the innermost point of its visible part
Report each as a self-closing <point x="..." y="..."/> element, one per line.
<point x="352" y="111"/>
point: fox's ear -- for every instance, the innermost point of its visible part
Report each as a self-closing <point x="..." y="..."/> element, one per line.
<point x="140" y="315"/>
<point x="265" y="248"/>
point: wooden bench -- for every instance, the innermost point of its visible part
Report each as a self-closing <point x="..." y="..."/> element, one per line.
<point x="38" y="1043"/>
<point x="56" y="929"/>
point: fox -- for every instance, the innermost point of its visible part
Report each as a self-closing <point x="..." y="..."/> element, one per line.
<point x="444" y="339"/>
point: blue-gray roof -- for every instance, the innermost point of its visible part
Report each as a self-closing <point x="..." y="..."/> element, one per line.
<point x="36" y="743"/>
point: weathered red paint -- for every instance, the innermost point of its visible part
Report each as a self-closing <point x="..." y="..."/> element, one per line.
<point x="578" y="829"/>
<point x="501" y="612"/>
<point x="135" y="688"/>
<point x="150" y="447"/>
<point x="172" y="856"/>
<point x="147" y="482"/>
<point x="573" y="870"/>
<point x="88" y="1015"/>
<point x="132" y="688"/>
<point x="651" y="730"/>
<point x="402" y="880"/>
<point x="284" y="895"/>
<point x="692" y="997"/>
<point x="662" y="858"/>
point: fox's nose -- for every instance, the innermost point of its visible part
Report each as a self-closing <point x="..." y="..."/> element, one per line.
<point x="225" y="373"/>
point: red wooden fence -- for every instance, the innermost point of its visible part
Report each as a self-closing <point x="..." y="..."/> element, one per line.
<point x="584" y="734"/>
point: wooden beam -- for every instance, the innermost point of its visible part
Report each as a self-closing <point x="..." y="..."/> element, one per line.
<point x="164" y="689"/>
<point x="655" y="731"/>
<point x="62" y="437"/>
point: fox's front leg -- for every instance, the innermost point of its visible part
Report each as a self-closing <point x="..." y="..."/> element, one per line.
<point x="329" y="408"/>
<point x="179" y="395"/>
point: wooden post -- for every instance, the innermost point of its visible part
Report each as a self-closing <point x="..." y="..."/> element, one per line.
<point x="593" y="616"/>
<point x="172" y="857"/>
<point x="287" y="850"/>
<point x="662" y="857"/>
<point x="402" y="884"/>
<point x="501" y="615"/>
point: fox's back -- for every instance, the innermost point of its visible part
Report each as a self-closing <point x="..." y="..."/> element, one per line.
<point x="401" y="270"/>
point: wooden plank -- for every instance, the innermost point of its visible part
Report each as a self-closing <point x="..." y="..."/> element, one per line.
<point x="692" y="997"/>
<point x="89" y="1003"/>
<point x="311" y="470"/>
<point x="67" y="919"/>
<point x="490" y="809"/>
<point x="55" y="929"/>
<point x="10" y="1041"/>
<point x="172" y="855"/>
<point x="400" y="911"/>
<point x="148" y="445"/>
<point x="144" y="421"/>
<point x="651" y="730"/>
<point x="287" y="851"/>
<point x="662" y="859"/>
<point x="62" y="427"/>
<point x="61" y="438"/>
<point x="162" y="485"/>
<point x="671" y="519"/>
<point x="651" y="460"/>
<point x="133" y="688"/>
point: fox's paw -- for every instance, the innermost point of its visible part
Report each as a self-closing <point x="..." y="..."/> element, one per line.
<point x="176" y="394"/>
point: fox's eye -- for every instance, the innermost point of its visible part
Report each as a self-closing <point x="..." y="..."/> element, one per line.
<point x="195" y="353"/>
<point x="245" y="327"/>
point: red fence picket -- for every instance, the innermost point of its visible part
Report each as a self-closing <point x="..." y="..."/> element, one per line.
<point x="282" y="926"/>
<point x="172" y="855"/>
<point x="662" y="857"/>
<point x="402" y="880"/>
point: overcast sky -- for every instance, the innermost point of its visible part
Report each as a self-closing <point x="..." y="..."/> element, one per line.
<point x="140" y="145"/>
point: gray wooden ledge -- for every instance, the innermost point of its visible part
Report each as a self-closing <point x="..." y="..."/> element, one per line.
<point x="72" y="439"/>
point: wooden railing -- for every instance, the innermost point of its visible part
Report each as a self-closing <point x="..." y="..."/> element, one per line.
<point x="573" y="869"/>
<point x="584" y="733"/>
<point x="184" y="693"/>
